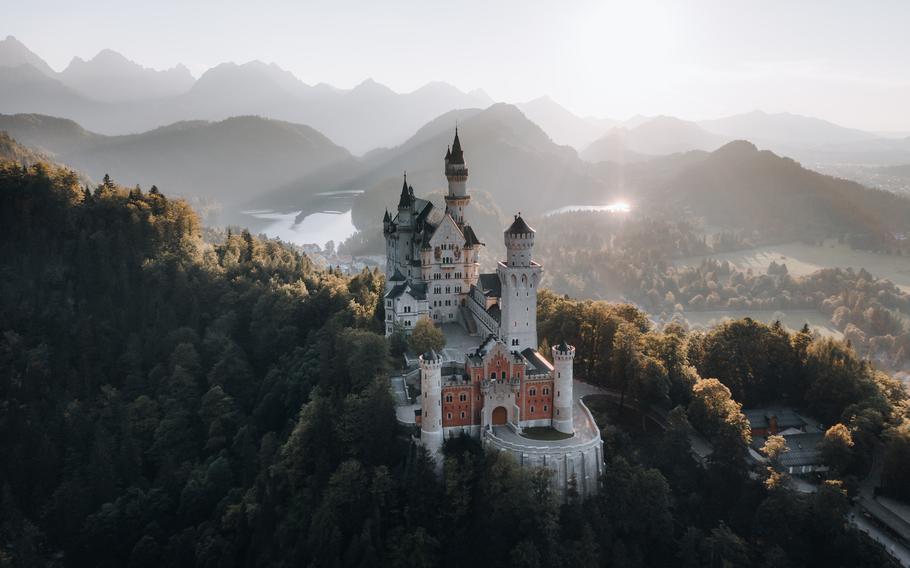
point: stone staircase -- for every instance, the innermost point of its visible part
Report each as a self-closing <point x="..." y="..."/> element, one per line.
<point x="467" y="320"/>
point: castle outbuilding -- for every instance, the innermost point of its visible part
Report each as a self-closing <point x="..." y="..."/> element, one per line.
<point x="503" y="391"/>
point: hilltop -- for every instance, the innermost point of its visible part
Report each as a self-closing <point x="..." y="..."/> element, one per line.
<point x="231" y="161"/>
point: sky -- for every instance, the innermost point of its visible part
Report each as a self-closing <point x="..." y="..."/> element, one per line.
<point x="845" y="61"/>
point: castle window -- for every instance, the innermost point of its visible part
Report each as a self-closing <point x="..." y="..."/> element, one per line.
<point x="532" y="410"/>
<point x="533" y="392"/>
<point x="463" y="397"/>
<point x="503" y="375"/>
<point x="448" y="398"/>
<point x="462" y="415"/>
<point x="545" y="408"/>
<point x="448" y="416"/>
<point x="493" y="376"/>
<point x="546" y="391"/>
<point x="448" y="289"/>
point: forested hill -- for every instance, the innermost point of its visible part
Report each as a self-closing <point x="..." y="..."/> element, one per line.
<point x="741" y="187"/>
<point x="12" y="151"/>
<point x="165" y="402"/>
<point x="147" y="380"/>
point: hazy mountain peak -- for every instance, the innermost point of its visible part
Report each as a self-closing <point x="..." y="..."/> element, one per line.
<point x="784" y="129"/>
<point x="111" y="76"/>
<point x="14" y="53"/>
<point x="251" y="77"/>
<point x="563" y="126"/>
<point x="370" y="86"/>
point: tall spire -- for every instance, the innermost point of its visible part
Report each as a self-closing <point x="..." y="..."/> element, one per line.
<point x="405" y="200"/>
<point x="457" y="155"/>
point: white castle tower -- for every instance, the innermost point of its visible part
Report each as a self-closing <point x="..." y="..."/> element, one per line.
<point x="519" y="276"/>
<point x="563" y="359"/>
<point x="431" y="402"/>
<point x="457" y="173"/>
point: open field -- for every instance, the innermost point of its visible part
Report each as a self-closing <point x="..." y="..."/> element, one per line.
<point x="804" y="259"/>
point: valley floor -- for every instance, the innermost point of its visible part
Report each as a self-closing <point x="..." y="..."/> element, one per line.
<point x="802" y="259"/>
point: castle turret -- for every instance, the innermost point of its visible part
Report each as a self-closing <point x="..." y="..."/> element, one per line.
<point x="431" y="403"/>
<point x="457" y="198"/>
<point x="563" y="403"/>
<point x="519" y="276"/>
<point x="405" y="203"/>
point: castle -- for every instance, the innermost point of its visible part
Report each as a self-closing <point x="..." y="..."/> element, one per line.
<point x="504" y="386"/>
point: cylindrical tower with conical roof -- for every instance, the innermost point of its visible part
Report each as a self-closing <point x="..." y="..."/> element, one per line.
<point x="519" y="277"/>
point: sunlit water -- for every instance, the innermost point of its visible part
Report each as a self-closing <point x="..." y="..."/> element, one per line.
<point x="618" y="207"/>
<point x="315" y="228"/>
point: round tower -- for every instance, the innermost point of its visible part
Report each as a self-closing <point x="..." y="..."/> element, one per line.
<point x="431" y="402"/>
<point x="563" y="403"/>
<point x="519" y="276"/>
<point x="519" y="240"/>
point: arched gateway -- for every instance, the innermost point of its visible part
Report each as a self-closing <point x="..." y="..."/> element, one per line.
<point x="500" y="416"/>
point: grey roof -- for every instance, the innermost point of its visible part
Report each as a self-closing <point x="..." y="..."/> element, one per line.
<point x="495" y="313"/>
<point x="416" y="290"/>
<point x="457" y="156"/>
<point x="407" y="194"/>
<point x="803" y="450"/>
<point x="490" y="285"/>
<point x="397" y="276"/>
<point x="562" y="347"/>
<point x="430" y="356"/>
<point x="537" y="364"/>
<point x="519" y="227"/>
<point x="470" y="239"/>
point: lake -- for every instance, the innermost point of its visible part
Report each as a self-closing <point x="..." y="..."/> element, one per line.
<point x="323" y="217"/>
<point x="314" y="228"/>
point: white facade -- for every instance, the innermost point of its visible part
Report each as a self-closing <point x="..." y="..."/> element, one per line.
<point x="434" y="252"/>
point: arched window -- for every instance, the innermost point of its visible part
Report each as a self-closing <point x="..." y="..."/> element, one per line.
<point x="532" y="410"/>
<point x="462" y="415"/>
<point x="463" y="397"/>
<point x="448" y="416"/>
<point x="503" y="375"/>
<point x="545" y="408"/>
<point x="533" y="392"/>
<point x="448" y="398"/>
<point x="546" y="390"/>
<point x="493" y="376"/>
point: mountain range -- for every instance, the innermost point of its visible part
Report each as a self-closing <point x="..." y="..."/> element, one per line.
<point x="111" y="95"/>
<point x="255" y="163"/>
